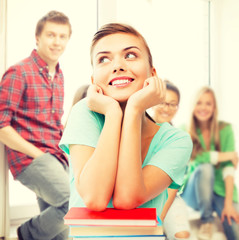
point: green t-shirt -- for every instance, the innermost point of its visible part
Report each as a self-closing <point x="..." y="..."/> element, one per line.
<point x="170" y="150"/>
<point x="227" y="144"/>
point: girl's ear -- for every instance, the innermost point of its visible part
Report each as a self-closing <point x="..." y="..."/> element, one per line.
<point x="92" y="80"/>
<point x="154" y="73"/>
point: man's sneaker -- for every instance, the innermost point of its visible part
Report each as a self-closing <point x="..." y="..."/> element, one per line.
<point x="205" y="232"/>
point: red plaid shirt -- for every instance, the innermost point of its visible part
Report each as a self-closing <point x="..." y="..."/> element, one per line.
<point x="32" y="104"/>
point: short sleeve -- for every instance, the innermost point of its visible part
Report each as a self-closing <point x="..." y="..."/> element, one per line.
<point x="83" y="127"/>
<point x="172" y="152"/>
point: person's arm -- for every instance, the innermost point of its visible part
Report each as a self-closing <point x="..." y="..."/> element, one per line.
<point x="11" y="90"/>
<point x="171" y="196"/>
<point x="95" y="168"/>
<point x="228" y="156"/>
<point x="229" y="212"/>
<point x="11" y="138"/>
<point x="215" y="157"/>
<point x="134" y="185"/>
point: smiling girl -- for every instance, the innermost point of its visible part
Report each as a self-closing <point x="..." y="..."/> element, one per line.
<point x="209" y="182"/>
<point x="119" y="157"/>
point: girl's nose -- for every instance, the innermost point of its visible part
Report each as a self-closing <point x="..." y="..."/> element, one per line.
<point x="119" y="66"/>
<point x="118" y="70"/>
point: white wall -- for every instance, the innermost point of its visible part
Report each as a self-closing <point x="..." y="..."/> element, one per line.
<point x="3" y="163"/>
<point x="225" y="59"/>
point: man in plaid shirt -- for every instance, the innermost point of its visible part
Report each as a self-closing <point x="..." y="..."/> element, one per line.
<point x="31" y="107"/>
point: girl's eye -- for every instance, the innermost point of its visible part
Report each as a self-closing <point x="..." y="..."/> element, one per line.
<point x="131" y="55"/>
<point x="103" y="59"/>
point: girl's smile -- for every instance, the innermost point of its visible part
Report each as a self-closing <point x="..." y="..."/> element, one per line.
<point x="121" y="81"/>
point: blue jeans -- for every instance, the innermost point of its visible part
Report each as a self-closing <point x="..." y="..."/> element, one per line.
<point x="48" y="178"/>
<point x="199" y="195"/>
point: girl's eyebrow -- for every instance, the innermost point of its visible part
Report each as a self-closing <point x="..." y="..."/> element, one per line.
<point x="103" y="52"/>
<point x="125" y="49"/>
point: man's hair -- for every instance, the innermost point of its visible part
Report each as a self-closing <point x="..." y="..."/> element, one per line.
<point x="55" y="17"/>
<point x="113" y="28"/>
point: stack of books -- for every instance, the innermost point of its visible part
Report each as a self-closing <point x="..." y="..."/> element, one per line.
<point x="139" y="223"/>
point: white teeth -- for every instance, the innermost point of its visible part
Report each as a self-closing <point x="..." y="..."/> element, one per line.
<point x="118" y="82"/>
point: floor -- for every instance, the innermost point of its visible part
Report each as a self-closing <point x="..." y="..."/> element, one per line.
<point x="13" y="230"/>
<point x="195" y="224"/>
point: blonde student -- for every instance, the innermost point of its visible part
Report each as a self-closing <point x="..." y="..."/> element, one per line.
<point x="209" y="181"/>
<point x="174" y="215"/>
<point x="119" y="157"/>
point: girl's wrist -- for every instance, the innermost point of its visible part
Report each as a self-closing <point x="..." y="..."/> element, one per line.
<point x="134" y="108"/>
<point x="133" y="112"/>
<point x="227" y="202"/>
<point x="114" y="112"/>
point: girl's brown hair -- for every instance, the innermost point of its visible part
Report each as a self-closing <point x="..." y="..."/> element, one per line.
<point x="213" y="125"/>
<point x="113" y="28"/>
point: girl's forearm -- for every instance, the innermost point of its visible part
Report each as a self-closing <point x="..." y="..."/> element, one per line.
<point x="225" y="156"/>
<point x="97" y="179"/>
<point x="129" y="186"/>
<point x="229" y="186"/>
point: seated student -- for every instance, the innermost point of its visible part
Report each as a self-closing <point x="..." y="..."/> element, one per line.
<point x="31" y="109"/>
<point x="119" y="157"/>
<point x="209" y="181"/>
<point x="174" y="214"/>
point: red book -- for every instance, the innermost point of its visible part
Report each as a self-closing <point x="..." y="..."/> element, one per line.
<point x="111" y="217"/>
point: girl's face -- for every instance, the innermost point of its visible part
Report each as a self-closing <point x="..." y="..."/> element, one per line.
<point x="205" y="107"/>
<point x="120" y="65"/>
<point x="166" y="111"/>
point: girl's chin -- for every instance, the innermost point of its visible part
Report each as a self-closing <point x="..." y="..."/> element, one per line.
<point x="120" y="99"/>
<point x="203" y="120"/>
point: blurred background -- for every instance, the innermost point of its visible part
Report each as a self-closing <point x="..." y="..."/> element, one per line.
<point x="193" y="43"/>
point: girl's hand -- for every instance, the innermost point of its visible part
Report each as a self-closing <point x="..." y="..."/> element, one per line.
<point x="235" y="159"/>
<point x="152" y="93"/>
<point x="100" y="103"/>
<point x="228" y="156"/>
<point x="229" y="212"/>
